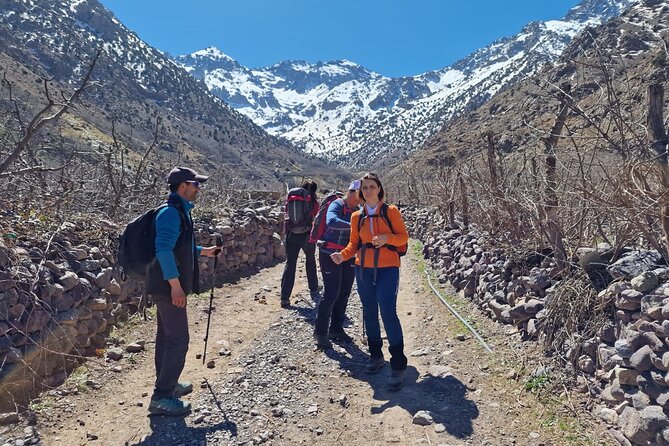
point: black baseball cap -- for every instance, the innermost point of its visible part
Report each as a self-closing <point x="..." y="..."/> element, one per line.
<point x="180" y="175"/>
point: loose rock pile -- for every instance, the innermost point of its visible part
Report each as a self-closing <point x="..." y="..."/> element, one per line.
<point x="626" y="364"/>
<point x="60" y="292"/>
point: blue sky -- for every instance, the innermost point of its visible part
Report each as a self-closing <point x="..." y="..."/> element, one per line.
<point x="392" y="37"/>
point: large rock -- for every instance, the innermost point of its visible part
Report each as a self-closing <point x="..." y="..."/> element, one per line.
<point x="37" y="319"/>
<point x="69" y="280"/>
<point x="104" y="278"/>
<point x="627" y="377"/>
<point x="641" y="359"/>
<point x="651" y="305"/>
<point x="629" y="300"/>
<point x="423" y="418"/>
<point x="623" y="349"/>
<point x="519" y="313"/>
<point x="635" y="263"/>
<point x="645" y="282"/>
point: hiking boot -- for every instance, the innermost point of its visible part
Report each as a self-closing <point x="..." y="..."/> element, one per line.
<point x="169" y="406"/>
<point x="396" y="377"/>
<point x="374" y="364"/>
<point x="340" y="336"/>
<point x="285" y="303"/>
<point x="183" y="388"/>
<point x="322" y="342"/>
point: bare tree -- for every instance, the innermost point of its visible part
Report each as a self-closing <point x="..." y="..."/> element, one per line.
<point x="51" y="112"/>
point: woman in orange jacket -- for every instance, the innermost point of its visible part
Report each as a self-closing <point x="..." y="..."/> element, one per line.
<point x="378" y="236"/>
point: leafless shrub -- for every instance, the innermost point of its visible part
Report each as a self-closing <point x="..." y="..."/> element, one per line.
<point x="573" y="314"/>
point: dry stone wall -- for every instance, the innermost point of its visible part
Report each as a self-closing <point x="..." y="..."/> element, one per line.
<point x="625" y="366"/>
<point x="60" y="293"/>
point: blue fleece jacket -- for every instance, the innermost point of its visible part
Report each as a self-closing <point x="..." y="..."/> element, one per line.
<point x="338" y="232"/>
<point x="168" y="229"/>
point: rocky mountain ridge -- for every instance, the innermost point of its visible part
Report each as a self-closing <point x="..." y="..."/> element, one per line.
<point x="133" y="85"/>
<point x="349" y="114"/>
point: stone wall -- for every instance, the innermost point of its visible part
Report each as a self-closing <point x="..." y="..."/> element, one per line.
<point x="625" y="366"/>
<point x="60" y="294"/>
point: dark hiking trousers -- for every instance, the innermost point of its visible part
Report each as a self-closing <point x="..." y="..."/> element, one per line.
<point x="171" y="346"/>
<point x="337" y="284"/>
<point x="295" y="243"/>
<point x="381" y="297"/>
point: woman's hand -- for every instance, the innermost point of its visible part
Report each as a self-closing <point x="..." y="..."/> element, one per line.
<point x="337" y="257"/>
<point x="380" y="240"/>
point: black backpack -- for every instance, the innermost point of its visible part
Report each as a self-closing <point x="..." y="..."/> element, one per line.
<point x="137" y="245"/>
<point x="298" y="210"/>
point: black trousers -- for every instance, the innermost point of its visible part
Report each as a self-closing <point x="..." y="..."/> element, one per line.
<point x="295" y="243"/>
<point x="337" y="283"/>
<point x="171" y="346"/>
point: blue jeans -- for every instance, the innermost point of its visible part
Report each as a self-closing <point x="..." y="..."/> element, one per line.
<point x="382" y="296"/>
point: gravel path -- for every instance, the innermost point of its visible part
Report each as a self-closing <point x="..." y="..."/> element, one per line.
<point x="273" y="387"/>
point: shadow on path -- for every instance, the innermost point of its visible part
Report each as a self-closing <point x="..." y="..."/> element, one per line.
<point x="174" y="430"/>
<point x="443" y="395"/>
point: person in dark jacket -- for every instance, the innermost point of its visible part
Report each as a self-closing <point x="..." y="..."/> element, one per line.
<point x="172" y="276"/>
<point x="296" y="241"/>
<point x="337" y="278"/>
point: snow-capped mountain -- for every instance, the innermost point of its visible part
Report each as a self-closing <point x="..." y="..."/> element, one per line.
<point x="342" y="111"/>
<point x="135" y="84"/>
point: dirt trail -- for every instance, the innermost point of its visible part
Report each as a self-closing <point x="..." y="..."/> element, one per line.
<point x="275" y="388"/>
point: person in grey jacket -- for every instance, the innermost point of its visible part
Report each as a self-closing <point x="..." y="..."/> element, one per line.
<point x="171" y="278"/>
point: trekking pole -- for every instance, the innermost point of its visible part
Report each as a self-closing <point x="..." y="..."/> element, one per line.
<point x="219" y="242"/>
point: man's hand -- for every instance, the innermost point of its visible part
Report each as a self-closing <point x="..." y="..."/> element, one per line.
<point x="380" y="240"/>
<point x="337" y="257"/>
<point x="210" y="251"/>
<point x="177" y="293"/>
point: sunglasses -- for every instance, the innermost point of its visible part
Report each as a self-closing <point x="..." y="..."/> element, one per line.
<point x="197" y="184"/>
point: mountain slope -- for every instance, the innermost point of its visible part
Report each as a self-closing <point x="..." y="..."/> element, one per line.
<point x="609" y="68"/>
<point x="135" y="84"/>
<point x="351" y="115"/>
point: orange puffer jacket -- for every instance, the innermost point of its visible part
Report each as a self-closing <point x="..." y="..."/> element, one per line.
<point x="387" y="257"/>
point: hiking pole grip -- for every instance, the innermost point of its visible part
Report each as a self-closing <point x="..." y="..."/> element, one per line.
<point x="219" y="243"/>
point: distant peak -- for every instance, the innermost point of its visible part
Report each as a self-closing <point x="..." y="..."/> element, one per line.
<point x="598" y="10"/>
<point x="212" y="53"/>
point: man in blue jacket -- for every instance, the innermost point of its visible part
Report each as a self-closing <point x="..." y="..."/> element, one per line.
<point x="337" y="279"/>
<point x="172" y="277"/>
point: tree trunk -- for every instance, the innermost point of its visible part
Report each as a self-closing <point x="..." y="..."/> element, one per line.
<point x="657" y="136"/>
<point x="555" y="236"/>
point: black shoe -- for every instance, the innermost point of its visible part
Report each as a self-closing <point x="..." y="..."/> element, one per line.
<point x="285" y="303"/>
<point x="395" y="381"/>
<point x="340" y="336"/>
<point x="322" y="342"/>
<point x="375" y="364"/>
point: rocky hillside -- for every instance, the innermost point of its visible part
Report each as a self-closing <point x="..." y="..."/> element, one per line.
<point x="343" y="111"/>
<point x="133" y="86"/>
<point x="608" y="69"/>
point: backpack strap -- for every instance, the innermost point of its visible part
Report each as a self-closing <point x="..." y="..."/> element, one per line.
<point x="384" y="214"/>
<point x="362" y="247"/>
